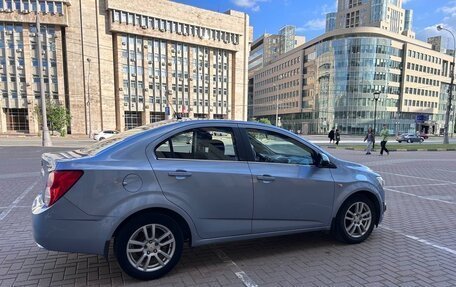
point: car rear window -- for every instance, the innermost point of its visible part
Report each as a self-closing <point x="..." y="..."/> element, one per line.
<point x="101" y="145"/>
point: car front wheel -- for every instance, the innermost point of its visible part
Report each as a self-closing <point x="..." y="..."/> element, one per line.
<point x="149" y="247"/>
<point x="355" y="220"/>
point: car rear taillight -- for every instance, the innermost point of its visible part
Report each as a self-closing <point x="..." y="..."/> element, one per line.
<point x="59" y="182"/>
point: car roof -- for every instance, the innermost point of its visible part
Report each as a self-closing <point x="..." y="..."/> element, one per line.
<point x="164" y="127"/>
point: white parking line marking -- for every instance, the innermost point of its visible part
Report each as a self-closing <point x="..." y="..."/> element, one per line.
<point x="446" y="170"/>
<point x="248" y="282"/>
<point x="420" y="185"/>
<point x="424" y="241"/>
<point x="404" y="175"/>
<point x="420" y="196"/>
<point x="16" y="201"/>
<point x="19" y="175"/>
<point x="17" y="206"/>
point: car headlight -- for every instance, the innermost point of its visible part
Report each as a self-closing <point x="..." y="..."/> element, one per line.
<point x="381" y="180"/>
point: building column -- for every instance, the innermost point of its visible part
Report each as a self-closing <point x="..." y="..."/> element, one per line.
<point x="210" y="71"/>
<point x="230" y="95"/>
<point x="2" y="121"/>
<point x="33" y="118"/>
<point x="118" y="83"/>
<point x="191" y="82"/>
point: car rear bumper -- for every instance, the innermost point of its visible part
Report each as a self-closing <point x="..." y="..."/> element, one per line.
<point x="64" y="227"/>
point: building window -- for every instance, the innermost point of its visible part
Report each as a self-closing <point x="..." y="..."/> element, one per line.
<point x="116" y="16"/>
<point x="17" y="120"/>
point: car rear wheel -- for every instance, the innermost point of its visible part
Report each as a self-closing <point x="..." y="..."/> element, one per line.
<point x="149" y="246"/>
<point x="409" y="141"/>
<point x="101" y="139"/>
<point x="355" y="220"/>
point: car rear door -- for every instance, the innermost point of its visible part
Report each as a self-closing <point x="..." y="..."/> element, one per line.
<point x="199" y="170"/>
<point x="290" y="191"/>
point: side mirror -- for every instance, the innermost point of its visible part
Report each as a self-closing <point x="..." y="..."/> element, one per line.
<point x="324" y="161"/>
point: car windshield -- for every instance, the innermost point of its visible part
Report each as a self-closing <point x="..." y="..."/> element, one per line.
<point x="101" y="145"/>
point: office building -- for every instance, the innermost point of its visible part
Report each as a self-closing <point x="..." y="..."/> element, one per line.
<point x="330" y="81"/>
<point x="120" y="64"/>
<point x="266" y="49"/>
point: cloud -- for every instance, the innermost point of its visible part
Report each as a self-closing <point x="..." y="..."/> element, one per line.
<point x="448" y="16"/>
<point x="325" y="9"/>
<point x="449" y="9"/>
<point x="405" y="1"/>
<point x="249" y="4"/>
<point x="313" y="25"/>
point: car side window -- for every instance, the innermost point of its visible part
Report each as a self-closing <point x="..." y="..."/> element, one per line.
<point x="202" y="143"/>
<point x="273" y="147"/>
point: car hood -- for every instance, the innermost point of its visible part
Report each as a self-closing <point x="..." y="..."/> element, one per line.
<point x="357" y="166"/>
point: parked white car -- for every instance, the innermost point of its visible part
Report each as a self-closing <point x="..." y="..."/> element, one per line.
<point x="104" y="135"/>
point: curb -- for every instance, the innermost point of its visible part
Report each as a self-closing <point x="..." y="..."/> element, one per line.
<point x="417" y="149"/>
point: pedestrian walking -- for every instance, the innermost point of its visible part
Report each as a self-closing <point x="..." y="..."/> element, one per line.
<point x="370" y="138"/>
<point x="337" y="136"/>
<point x="384" y="134"/>
<point x="331" y="135"/>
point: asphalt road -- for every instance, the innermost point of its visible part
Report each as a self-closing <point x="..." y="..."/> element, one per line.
<point x="414" y="246"/>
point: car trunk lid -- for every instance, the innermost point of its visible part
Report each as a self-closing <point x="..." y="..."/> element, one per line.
<point x="49" y="163"/>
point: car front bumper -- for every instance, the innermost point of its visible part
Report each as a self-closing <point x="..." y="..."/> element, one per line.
<point x="64" y="227"/>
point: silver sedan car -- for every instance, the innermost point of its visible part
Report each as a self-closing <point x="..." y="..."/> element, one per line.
<point x="155" y="187"/>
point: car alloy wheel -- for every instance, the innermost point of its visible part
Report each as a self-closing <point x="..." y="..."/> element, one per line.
<point x="358" y="219"/>
<point x="355" y="220"/>
<point x="149" y="246"/>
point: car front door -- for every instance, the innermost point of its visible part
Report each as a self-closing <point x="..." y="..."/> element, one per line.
<point x="200" y="171"/>
<point x="290" y="191"/>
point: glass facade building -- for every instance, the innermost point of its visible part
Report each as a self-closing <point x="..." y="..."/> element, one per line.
<point x="341" y="71"/>
<point x="349" y="71"/>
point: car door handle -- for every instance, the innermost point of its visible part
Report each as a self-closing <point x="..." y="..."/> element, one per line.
<point x="180" y="174"/>
<point x="266" y="178"/>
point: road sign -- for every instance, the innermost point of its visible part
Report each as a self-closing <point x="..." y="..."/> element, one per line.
<point x="167" y="111"/>
<point x="421" y="118"/>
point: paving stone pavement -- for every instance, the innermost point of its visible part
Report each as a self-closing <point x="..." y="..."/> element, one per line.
<point x="414" y="246"/>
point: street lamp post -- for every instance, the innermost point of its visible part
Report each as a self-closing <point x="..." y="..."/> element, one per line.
<point x="450" y="92"/>
<point x="376" y="97"/>
<point x="88" y="101"/>
<point x="277" y="107"/>
<point x="277" y="102"/>
<point x="46" y="138"/>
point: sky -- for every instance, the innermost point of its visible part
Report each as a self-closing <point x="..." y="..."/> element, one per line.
<point x="309" y="15"/>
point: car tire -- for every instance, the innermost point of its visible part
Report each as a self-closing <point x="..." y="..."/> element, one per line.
<point x="409" y="141"/>
<point x="141" y="255"/>
<point x="355" y="220"/>
<point x="421" y="140"/>
<point x="400" y="141"/>
<point x="101" y="139"/>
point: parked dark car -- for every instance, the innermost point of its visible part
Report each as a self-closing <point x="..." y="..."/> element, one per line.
<point x="410" y="138"/>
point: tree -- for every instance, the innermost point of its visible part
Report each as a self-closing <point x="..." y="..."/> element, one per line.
<point x="57" y="116"/>
<point x="264" y="121"/>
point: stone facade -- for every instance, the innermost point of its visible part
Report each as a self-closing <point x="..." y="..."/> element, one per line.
<point x="94" y="65"/>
